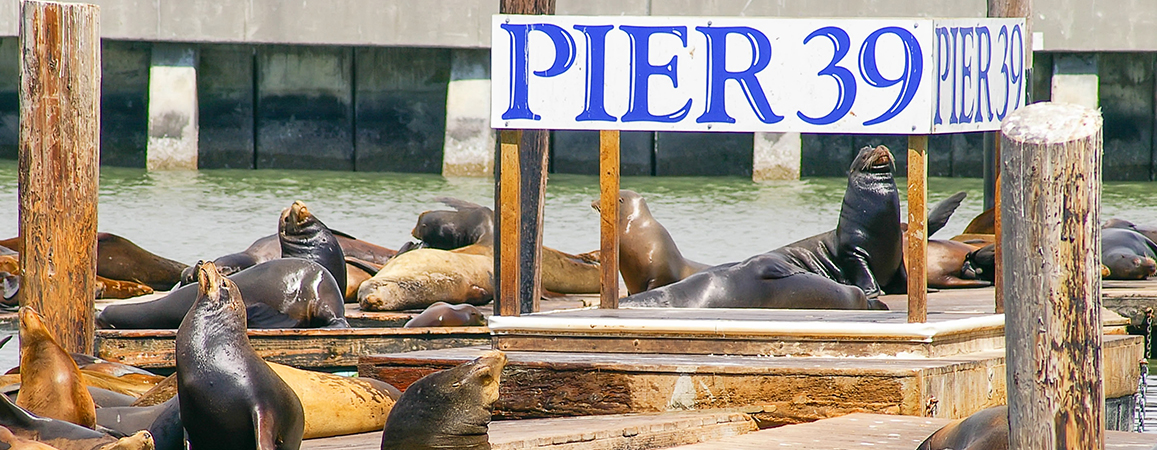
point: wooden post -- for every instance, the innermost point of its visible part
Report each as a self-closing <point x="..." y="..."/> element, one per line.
<point x="917" y="263"/>
<point x="519" y="276"/>
<point x="1051" y="199"/>
<point x="59" y="165"/>
<point x="506" y="253"/>
<point x="609" y="210"/>
<point x="1005" y="8"/>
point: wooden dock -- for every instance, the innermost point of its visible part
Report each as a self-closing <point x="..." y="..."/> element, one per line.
<point x="641" y="431"/>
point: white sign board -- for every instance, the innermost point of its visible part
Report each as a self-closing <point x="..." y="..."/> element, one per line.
<point x="753" y="74"/>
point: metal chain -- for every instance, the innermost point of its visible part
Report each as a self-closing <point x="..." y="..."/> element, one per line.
<point x="1139" y="399"/>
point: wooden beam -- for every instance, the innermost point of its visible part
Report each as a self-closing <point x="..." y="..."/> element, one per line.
<point x="59" y="166"/>
<point x="609" y="210"/>
<point x="917" y="252"/>
<point x="509" y="212"/>
<point x="523" y="183"/>
<point x="1051" y="198"/>
<point x="998" y="277"/>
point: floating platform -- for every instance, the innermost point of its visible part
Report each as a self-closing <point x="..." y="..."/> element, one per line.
<point x="639" y="432"/>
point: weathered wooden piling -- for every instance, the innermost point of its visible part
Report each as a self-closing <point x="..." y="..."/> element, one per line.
<point x="917" y="252"/>
<point x="1050" y="198"/>
<point x="609" y="211"/>
<point x="532" y="150"/>
<point x="59" y="165"/>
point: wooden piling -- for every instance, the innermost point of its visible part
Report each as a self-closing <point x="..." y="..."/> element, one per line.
<point x="522" y="271"/>
<point x="609" y="211"/>
<point x="917" y="254"/>
<point x="59" y="158"/>
<point x="1050" y="198"/>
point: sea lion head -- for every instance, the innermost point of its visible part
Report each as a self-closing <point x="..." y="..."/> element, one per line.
<point x="1105" y="271"/>
<point x="295" y="217"/>
<point x="1130" y="267"/>
<point x="215" y="291"/>
<point x="632" y="206"/>
<point x="874" y="160"/>
<point x="447" y="409"/>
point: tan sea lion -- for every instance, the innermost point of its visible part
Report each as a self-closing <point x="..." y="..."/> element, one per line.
<point x="418" y="278"/>
<point x="51" y="384"/>
<point x="450" y="409"/>
<point x="442" y="314"/>
<point x="336" y="405"/>
<point x="14" y="442"/>
<point x="985" y="223"/>
<point x="648" y="256"/>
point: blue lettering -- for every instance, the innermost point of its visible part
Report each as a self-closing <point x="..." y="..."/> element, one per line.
<point x="564" y="53"/>
<point x="952" y="119"/>
<point x="717" y="74"/>
<point x="965" y="75"/>
<point x="909" y="79"/>
<point x="1003" y="35"/>
<point x="983" y="90"/>
<point x="594" y="102"/>
<point x="642" y="70"/>
<point x="943" y="65"/>
<point x="1018" y="70"/>
<point x="845" y="81"/>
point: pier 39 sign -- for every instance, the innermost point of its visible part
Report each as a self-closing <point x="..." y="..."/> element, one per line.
<point x="896" y="76"/>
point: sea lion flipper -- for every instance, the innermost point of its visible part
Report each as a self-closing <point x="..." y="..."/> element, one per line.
<point x="457" y="203"/>
<point x="342" y="234"/>
<point x="263" y="431"/>
<point x="942" y="211"/>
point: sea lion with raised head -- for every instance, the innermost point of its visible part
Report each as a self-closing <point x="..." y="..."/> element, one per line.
<point x="987" y="429"/>
<point x="280" y="293"/>
<point x="648" y="256"/>
<point x="229" y="398"/>
<point x="302" y="235"/>
<point x="768" y="280"/>
<point x="449" y="409"/>
<point x="866" y="248"/>
<point x="1129" y="255"/>
<point x="65" y="435"/>
<point x="50" y="382"/>
<point x="442" y="314"/>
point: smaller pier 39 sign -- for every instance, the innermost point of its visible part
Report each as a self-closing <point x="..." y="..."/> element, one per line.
<point x="894" y="76"/>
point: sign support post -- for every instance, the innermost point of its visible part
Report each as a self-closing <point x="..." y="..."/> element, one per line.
<point x="917" y="261"/>
<point x="609" y="211"/>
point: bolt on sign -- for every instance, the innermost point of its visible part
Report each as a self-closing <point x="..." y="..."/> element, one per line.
<point x="888" y="76"/>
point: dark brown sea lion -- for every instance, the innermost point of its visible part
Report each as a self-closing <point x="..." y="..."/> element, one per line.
<point x="448" y="230"/>
<point x="762" y="281"/>
<point x="229" y="398"/>
<point x="64" y="435"/>
<point x="1146" y="230"/>
<point x="442" y="314"/>
<point x="50" y="382"/>
<point x="120" y="259"/>
<point x="985" y="223"/>
<point x="648" y="256"/>
<point x="281" y="293"/>
<point x="1129" y="255"/>
<point x="449" y="409"/>
<point x="105" y="288"/>
<point x="162" y="421"/>
<point x="303" y="236"/>
<point x="357" y="271"/>
<point x="987" y="429"/>
<point x="866" y="248"/>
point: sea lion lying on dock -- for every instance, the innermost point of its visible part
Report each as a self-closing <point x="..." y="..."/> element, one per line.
<point x="162" y="422"/>
<point x="442" y="314"/>
<point x="63" y="435"/>
<point x="280" y="293"/>
<point x="229" y="398"/>
<point x="987" y="429"/>
<point x="418" y="278"/>
<point x="1129" y="255"/>
<point x="120" y="259"/>
<point x="450" y="409"/>
<point x="648" y="256"/>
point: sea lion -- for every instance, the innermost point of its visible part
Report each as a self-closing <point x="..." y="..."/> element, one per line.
<point x="65" y="435"/>
<point x="442" y="314"/>
<point x="985" y="223"/>
<point x="418" y="278"/>
<point x="280" y="293"/>
<point x="163" y="422"/>
<point x="357" y="271"/>
<point x="229" y="398"/>
<point x="10" y="276"/>
<point x="865" y="249"/>
<point x="1128" y="254"/>
<point x="945" y="258"/>
<point x="120" y="259"/>
<point x="13" y="442"/>
<point x="768" y="280"/>
<point x="50" y="382"/>
<point x="1145" y="230"/>
<point x="449" y="409"/>
<point x="303" y="236"/>
<point x="648" y="256"/>
<point x="334" y="405"/>
<point x="987" y="429"/>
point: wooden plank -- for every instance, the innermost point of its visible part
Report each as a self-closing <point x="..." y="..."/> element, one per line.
<point x="1051" y="201"/>
<point x="609" y="211"/>
<point x="59" y="165"/>
<point x="876" y="431"/>
<point x="508" y="205"/>
<point x="314" y="348"/>
<point x="634" y="431"/>
<point x="917" y="254"/>
<point x="532" y="196"/>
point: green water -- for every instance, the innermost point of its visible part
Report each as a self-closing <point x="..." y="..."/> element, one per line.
<point x="202" y="215"/>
